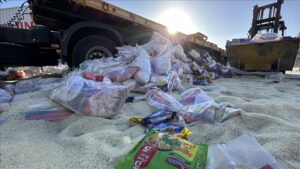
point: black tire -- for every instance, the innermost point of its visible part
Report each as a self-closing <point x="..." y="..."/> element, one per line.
<point x="82" y="47"/>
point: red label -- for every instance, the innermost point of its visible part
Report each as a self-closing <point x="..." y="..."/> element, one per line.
<point x="145" y="155"/>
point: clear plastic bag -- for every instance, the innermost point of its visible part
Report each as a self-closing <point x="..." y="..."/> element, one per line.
<point x="194" y="96"/>
<point x="86" y="97"/>
<point x="158" y="45"/>
<point x="242" y="150"/>
<point x="161" y="64"/>
<point x="143" y="62"/>
<point x="162" y="101"/>
<point x="201" y="112"/>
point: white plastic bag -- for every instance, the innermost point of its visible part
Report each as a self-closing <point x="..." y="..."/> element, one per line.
<point x="161" y="64"/>
<point x="87" y="97"/>
<point x="158" y="45"/>
<point x="242" y="150"/>
<point x="179" y="53"/>
<point x="174" y="82"/>
<point x="162" y="101"/>
<point x="142" y="61"/>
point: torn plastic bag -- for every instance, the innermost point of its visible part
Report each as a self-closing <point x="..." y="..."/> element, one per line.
<point x="5" y="96"/>
<point x="162" y="101"/>
<point x="165" y="151"/>
<point x="201" y="112"/>
<point x="143" y="62"/>
<point x="32" y="85"/>
<point x="194" y="96"/>
<point x="243" y="150"/>
<point x="161" y="64"/>
<point x="86" y="97"/>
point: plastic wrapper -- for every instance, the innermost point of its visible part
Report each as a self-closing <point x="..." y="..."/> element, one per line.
<point x="161" y="64"/>
<point x="143" y="62"/>
<point x="154" y="118"/>
<point x="5" y="96"/>
<point x="32" y="85"/>
<point x="86" y="97"/>
<point x="162" y="101"/>
<point x="201" y="112"/>
<point x="160" y="150"/>
<point x="242" y="150"/>
<point x="194" y="96"/>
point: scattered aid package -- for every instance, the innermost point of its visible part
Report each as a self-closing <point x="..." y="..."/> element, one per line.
<point x="164" y="151"/>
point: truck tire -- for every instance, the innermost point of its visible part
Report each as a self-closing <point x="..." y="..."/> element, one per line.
<point x="92" y="47"/>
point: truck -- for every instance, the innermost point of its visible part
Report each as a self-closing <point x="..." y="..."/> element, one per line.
<point x="77" y="30"/>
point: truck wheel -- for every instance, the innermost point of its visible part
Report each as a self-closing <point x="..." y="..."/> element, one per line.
<point x="92" y="47"/>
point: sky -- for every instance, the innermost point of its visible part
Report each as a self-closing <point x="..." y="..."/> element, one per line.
<point x="220" y="20"/>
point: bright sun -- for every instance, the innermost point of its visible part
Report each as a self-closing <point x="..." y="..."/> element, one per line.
<point x="177" y="20"/>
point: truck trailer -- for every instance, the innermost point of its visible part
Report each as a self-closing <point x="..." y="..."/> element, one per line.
<point x="76" y="30"/>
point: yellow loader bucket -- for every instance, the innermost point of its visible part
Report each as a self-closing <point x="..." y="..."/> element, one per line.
<point x="264" y="56"/>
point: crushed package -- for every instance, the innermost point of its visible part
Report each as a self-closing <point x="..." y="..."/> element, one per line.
<point x="160" y="150"/>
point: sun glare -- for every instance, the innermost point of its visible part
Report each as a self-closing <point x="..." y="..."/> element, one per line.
<point x="177" y="20"/>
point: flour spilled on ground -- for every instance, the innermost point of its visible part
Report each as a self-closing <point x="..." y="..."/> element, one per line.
<point x="272" y="116"/>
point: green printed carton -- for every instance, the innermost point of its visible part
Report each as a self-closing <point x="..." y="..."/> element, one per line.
<point x="165" y="151"/>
